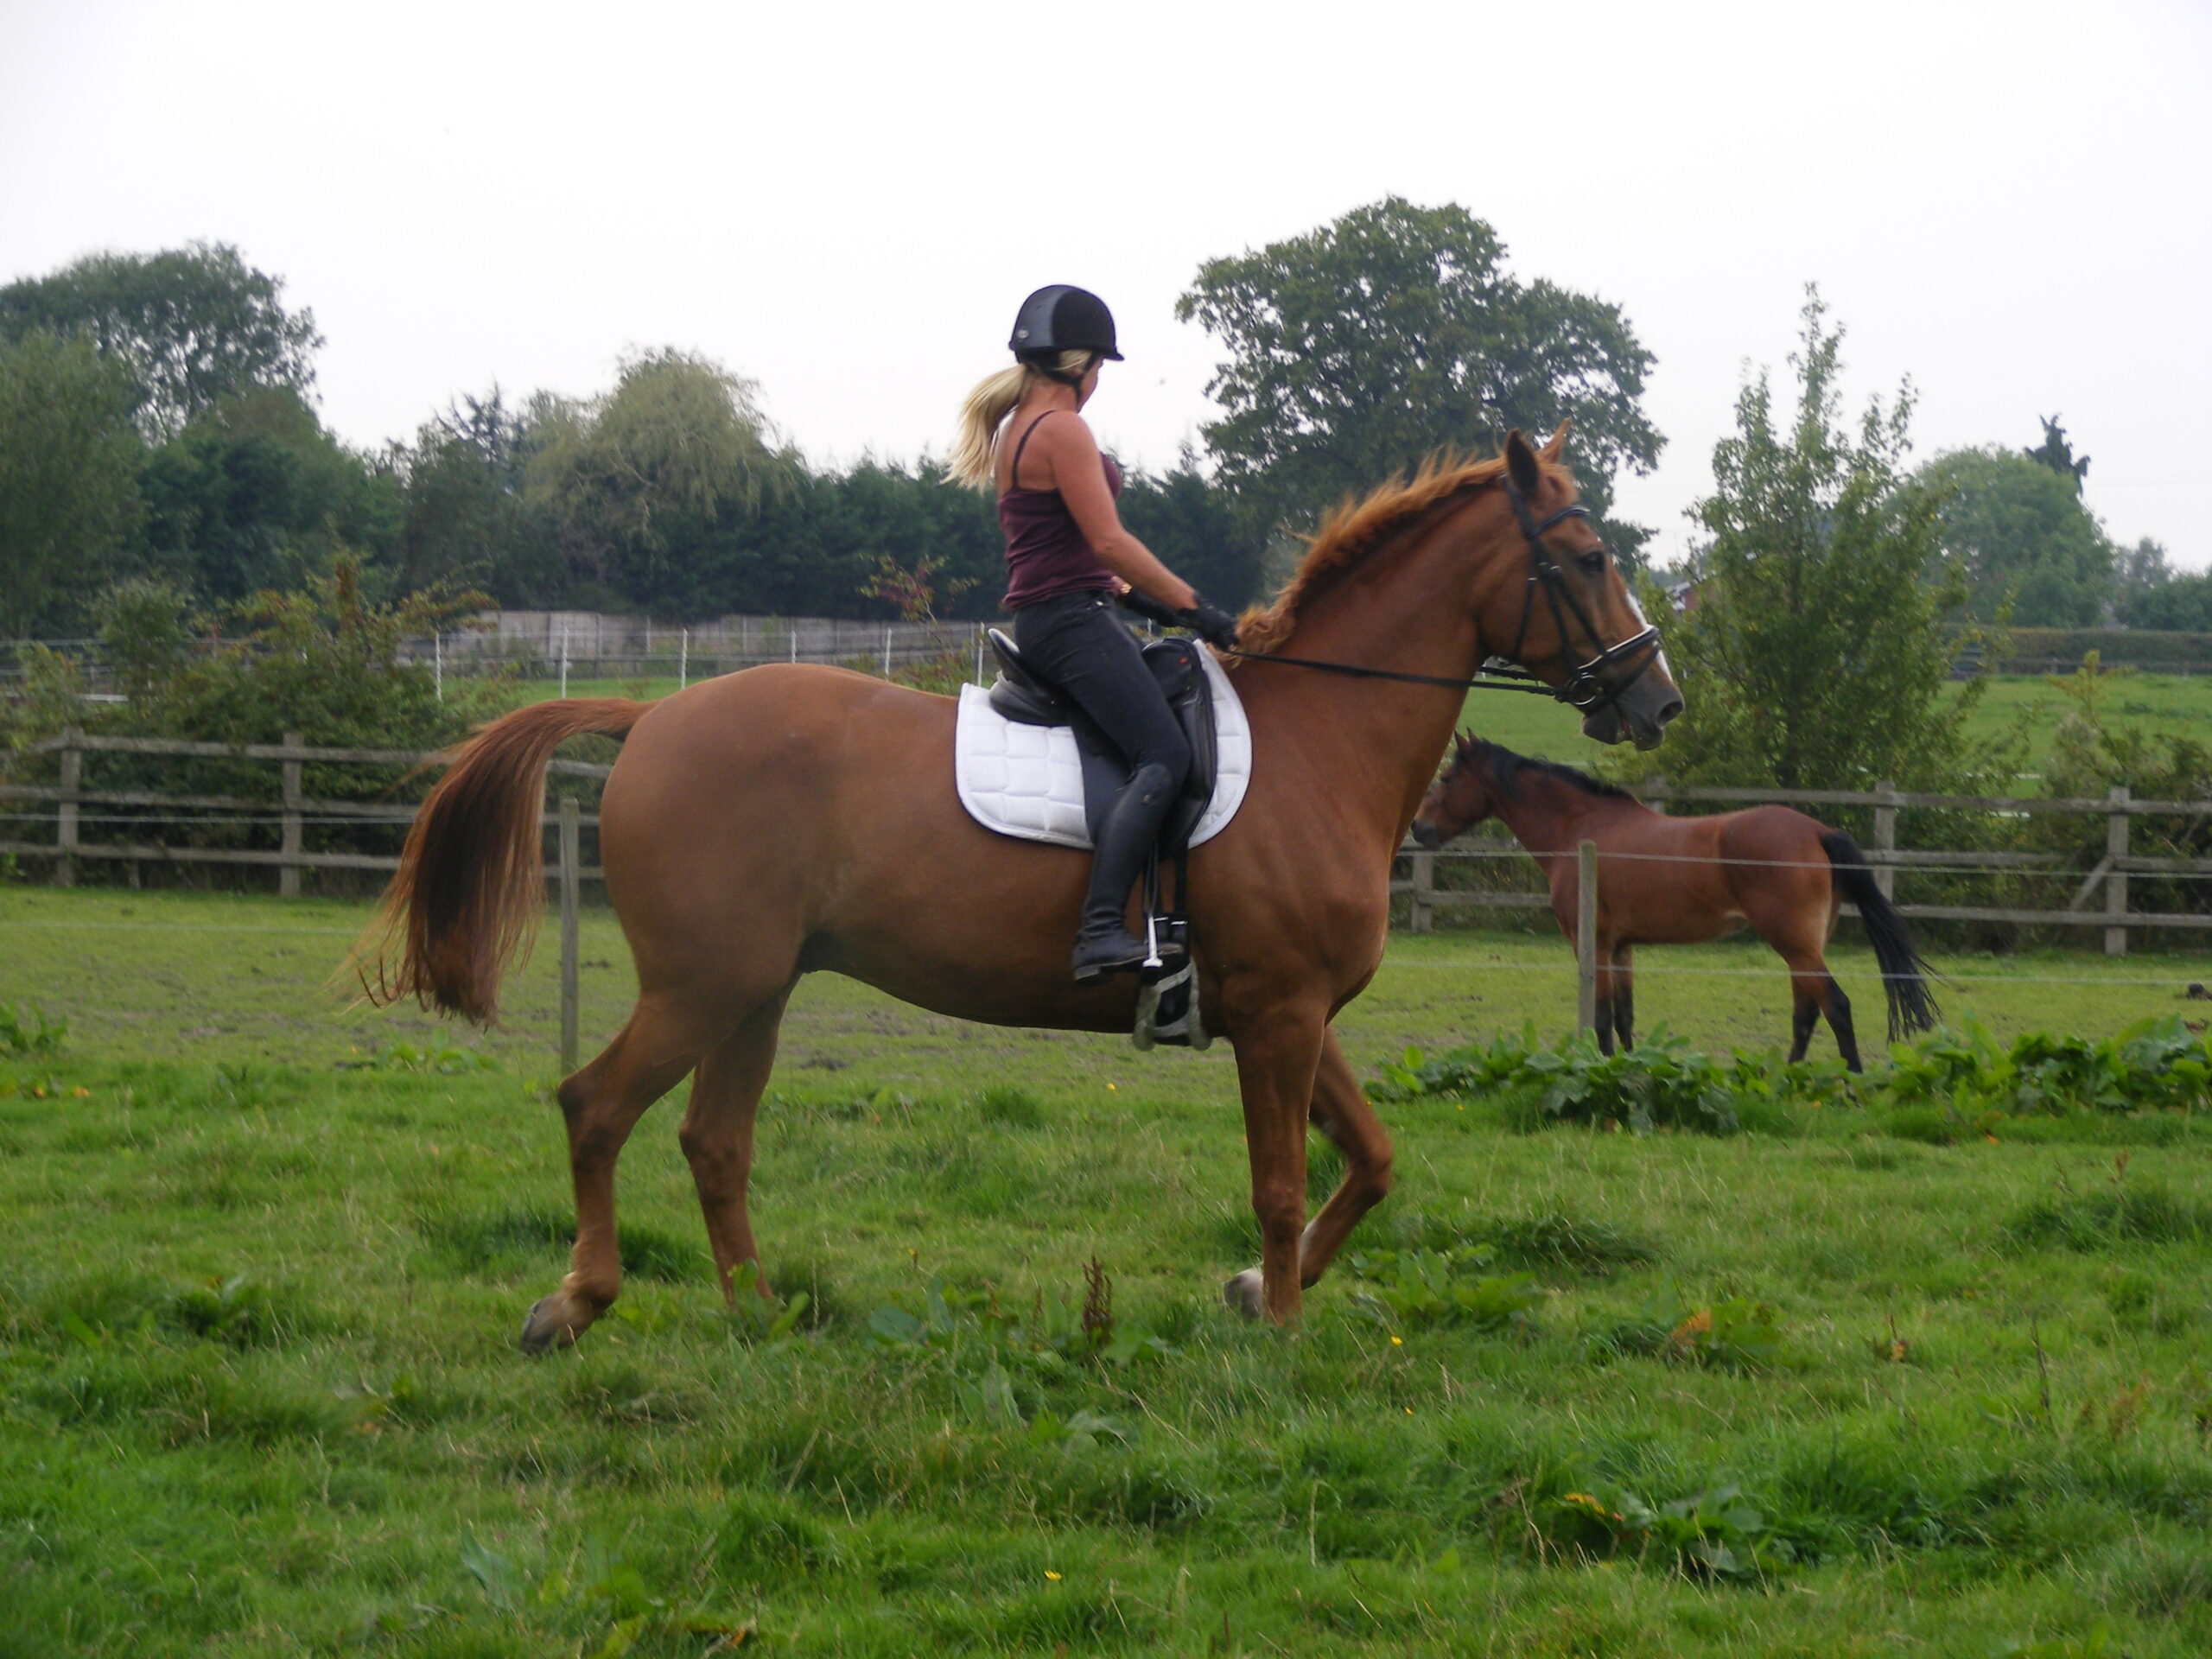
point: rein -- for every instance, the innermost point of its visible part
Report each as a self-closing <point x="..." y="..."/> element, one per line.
<point x="1584" y="689"/>
<point x="1502" y="683"/>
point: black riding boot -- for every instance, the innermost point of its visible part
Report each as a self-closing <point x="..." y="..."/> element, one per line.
<point x="1103" y="944"/>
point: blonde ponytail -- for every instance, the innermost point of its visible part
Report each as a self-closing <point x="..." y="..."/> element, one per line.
<point x="986" y="407"/>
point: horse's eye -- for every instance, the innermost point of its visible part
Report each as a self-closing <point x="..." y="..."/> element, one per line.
<point x="1594" y="563"/>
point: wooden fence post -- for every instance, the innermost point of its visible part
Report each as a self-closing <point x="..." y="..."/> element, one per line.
<point x="287" y="874"/>
<point x="571" y="879"/>
<point x="2116" y="879"/>
<point x="1885" y="839"/>
<point x="64" y="812"/>
<point x="1585" y="938"/>
<point x="1421" y="913"/>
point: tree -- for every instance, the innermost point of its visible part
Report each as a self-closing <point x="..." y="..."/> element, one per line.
<point x="255" y="494"/>
<point x="1824" y="628"/>
<point x="678" y="447"/>
<point x="69" y="464"/>
<point x="464" y="516"/>
<point x="192" y="325"/>
<point x="1192" y="523"/>
<point x="2055" y="454"/>
<point x="2143" y="565"/>
<point x="2182" y="604"/>
<point x="2024" y="540"/>
<point x="2154" y="595"/>
<point x="1359" y="348"/>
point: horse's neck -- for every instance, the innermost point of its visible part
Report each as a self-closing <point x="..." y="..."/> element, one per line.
<point x="1375" y="742"/>
<point x="1548" y="816"/>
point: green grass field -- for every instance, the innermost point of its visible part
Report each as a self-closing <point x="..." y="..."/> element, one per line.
<point x="2168" y="704"/>
<point x="266" y="1256"/>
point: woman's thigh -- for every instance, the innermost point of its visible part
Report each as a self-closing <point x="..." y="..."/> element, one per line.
<point x="1081" y="647"/>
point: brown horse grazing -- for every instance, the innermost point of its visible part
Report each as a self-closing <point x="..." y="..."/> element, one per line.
<point x="1664" y="880"/>
<point x="789" y="820"/>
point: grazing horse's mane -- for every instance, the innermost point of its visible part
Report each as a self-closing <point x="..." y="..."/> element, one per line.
<point x="1506" y="768"/>
<point x="1355" y="529"/>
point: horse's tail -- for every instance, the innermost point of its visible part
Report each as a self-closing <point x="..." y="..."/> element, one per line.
<point x="1904" y="974"/>
<point x="471" y="876"/>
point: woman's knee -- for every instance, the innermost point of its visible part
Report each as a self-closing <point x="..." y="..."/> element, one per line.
<point x="1169" y="749"/>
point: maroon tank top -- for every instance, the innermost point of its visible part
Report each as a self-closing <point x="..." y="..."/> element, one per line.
<point x="1045" y="553"/>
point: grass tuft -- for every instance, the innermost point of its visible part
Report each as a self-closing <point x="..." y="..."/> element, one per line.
<point x="2135" y="1213"/>
<point x="1011" y="1107"/>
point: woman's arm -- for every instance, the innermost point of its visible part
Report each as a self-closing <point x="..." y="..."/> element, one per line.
<point x="1080" y="478"/>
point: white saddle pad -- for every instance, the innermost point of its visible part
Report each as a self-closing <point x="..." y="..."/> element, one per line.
<point x="1026" y="781"/>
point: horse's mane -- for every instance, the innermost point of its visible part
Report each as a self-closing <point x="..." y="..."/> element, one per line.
<point x="1506" y="768"/>
<point x="1353" y="530"/>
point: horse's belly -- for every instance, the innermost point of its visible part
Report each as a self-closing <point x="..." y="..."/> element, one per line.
<point x="1690" y="913"/>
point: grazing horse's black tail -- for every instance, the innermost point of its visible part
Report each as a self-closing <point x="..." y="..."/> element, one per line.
<point x="1904" y="975"/>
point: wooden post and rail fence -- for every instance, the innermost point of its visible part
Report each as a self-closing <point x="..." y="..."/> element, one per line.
<point x="70" y="849"/>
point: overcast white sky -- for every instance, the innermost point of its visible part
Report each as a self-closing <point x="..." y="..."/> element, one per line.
<point x="2012" y="202"/>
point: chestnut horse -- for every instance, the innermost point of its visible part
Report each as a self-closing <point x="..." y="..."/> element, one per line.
<point x="793" y="819"/>
<point x="1664" y="880"/>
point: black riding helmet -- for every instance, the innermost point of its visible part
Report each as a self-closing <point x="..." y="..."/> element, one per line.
<point x="1062" y="319"/>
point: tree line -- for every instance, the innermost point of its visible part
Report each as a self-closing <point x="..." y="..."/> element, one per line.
<point x="158" y="422"/>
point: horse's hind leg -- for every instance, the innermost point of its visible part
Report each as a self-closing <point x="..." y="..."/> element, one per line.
<point x="717" y="1135"/>
<point x="1813" y="992"/>
<point x="1623" y="996"/>
<point x="601" y="1103"/>
<point x="1837" y="1007"/>
<point x="1804" y="1014"/>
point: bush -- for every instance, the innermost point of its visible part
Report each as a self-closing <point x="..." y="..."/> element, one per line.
<point x="323" y="662"/>
<point x="2090" y="752"/>
<point x="1965" y="1076"/>
<point x="1948" y="1086"/>
<point x="1660" y="1083"/>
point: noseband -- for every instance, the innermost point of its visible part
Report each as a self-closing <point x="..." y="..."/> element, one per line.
<point x="1583" y="689"/>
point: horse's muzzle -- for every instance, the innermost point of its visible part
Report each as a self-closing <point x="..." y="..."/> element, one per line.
<point x="1638" y="716"/>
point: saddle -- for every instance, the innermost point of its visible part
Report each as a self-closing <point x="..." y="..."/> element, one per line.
<point x="1026" y="698"/>
<point x="1167" y="997"/>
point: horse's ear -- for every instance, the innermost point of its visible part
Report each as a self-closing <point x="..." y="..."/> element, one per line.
<point x="1521" y="462"/>
<point x="1463" y="743"/>
<point x="1555" y="446"/>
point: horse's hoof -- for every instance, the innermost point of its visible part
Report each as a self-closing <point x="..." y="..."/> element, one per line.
<point x="549" y="1326"/>
<point x="1246" y="1294"/>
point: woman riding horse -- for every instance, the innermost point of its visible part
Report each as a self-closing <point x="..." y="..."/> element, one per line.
<point x="744" y="845"/>
<point x="1068" y="558"/>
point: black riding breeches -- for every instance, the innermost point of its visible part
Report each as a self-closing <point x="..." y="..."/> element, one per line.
<point x="1078" y="642"/>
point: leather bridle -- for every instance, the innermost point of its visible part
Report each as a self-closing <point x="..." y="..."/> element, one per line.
<point x="1585" y="690"/>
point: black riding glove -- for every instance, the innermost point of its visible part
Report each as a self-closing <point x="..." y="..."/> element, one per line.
<point x="1210" y="622"/>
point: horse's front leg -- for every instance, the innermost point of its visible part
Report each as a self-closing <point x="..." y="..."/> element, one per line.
<point x="1277" y="1054"/>
<point x="1342" y="1113"/>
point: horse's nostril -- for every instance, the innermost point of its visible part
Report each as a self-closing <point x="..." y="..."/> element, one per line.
<point x="1668" y="709"/>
